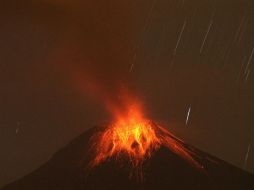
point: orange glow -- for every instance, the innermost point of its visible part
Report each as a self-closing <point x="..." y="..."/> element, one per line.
<point x="136" y="138"/>
<point x="132" y="135"/>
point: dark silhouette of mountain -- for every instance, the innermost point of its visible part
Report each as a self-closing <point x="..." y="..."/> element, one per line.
<point x="67" y="170"/>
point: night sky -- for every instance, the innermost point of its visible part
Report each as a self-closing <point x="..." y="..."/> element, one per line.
<point x="189" y="61"/>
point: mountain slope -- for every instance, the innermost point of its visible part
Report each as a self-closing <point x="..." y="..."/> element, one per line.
<point x="67" y="170"/>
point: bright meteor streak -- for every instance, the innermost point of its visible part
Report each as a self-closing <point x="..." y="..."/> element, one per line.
<point x="188" y="114"/>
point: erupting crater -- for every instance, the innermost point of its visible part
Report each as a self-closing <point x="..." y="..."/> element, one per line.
<point x="136" y="138"/>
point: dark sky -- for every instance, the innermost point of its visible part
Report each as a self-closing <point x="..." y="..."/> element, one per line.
<point x="59" y="58"/>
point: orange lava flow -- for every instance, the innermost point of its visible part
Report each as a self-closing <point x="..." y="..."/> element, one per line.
<point x="132" y="135"/>
<point x="137" y="138"/>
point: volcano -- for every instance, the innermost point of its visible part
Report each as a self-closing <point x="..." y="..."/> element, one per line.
<point x="70" y="169"/>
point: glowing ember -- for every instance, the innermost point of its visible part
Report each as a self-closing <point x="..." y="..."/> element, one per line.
<point x="137" y="138"/>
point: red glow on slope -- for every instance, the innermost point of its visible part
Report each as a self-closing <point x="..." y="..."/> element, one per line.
<point x="136" y="138"/>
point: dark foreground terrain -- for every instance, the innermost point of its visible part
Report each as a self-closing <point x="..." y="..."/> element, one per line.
<point x="67" y="170"/>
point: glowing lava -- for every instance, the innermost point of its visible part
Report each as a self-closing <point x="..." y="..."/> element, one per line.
<point x="133" y="136"/>
<point x="136" y="138"/>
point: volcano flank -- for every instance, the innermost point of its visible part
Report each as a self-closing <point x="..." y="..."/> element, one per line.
<point x="70" y="169"/>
